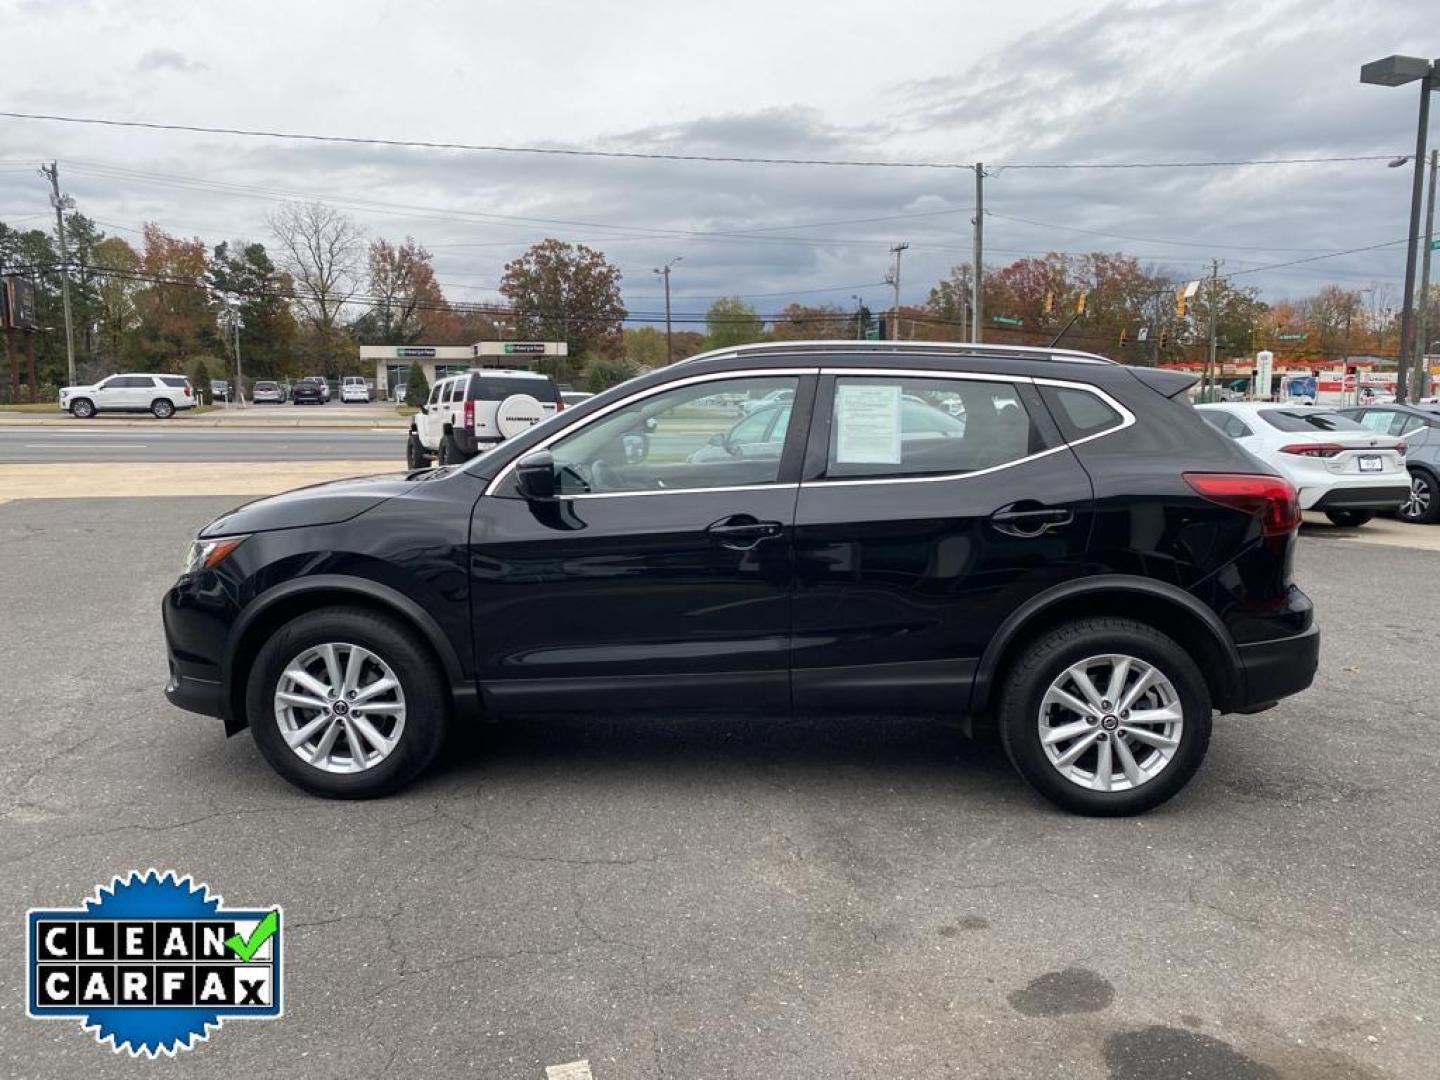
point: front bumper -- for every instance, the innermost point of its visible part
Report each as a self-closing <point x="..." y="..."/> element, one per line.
<point x="1272" y="670"/>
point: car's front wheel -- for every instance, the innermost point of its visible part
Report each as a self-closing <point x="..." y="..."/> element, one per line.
<point x="1105" y="716"/>
<point x="82" y="408"/>
<point x="347" y="703"/>
<point x="415" y="455"/>
<point x="1350" y="519"/>
<point x="1423" y="504"/>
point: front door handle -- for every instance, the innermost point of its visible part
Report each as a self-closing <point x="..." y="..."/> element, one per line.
<point x="741" y="532"/>
<point x="1029" y="519"/>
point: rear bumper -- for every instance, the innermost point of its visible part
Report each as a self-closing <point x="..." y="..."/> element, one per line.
<point x="1386" y="496"/>
<point x="1272" y="670"/>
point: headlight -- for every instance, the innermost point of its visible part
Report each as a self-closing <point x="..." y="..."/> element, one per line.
<point x="204" y="554"/>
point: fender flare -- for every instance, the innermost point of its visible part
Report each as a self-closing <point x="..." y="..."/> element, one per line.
<point x="998" y="650"/>
<point x="364" y="588"/>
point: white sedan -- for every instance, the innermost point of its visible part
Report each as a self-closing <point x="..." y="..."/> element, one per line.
<point x="1339" y="467"/>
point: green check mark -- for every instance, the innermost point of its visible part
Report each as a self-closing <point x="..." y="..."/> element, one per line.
<point x="245" y="949"/>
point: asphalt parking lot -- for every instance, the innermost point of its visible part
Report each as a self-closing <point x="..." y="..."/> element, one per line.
<point x="847" y="897"/>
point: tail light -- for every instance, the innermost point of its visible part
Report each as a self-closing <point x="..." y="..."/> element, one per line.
<point x="187" y="389"/>
<point x="559" y="404"/>
<point x="1319" y="450"/>
<point x="1272" y="499"/>
<point x="1400" y="448"/>
<point x="469" y="414"/>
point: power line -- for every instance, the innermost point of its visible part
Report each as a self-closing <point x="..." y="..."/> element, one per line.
<point x="424" y="144"/>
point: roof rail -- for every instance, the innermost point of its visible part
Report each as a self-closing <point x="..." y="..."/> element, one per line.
<point x="1026" y="352"/>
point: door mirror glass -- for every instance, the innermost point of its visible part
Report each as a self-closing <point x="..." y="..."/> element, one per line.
<point x="535" y="476"/>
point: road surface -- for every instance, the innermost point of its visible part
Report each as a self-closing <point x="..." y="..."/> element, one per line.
<point x="172" y="442"/>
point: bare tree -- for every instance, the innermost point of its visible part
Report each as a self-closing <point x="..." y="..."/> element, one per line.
<point x="322" y="249"/>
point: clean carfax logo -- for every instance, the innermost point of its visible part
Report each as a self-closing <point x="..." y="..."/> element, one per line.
<point x="153" y="962"/>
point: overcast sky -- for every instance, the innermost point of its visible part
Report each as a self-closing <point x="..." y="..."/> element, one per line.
<point x="1035" y="82"/>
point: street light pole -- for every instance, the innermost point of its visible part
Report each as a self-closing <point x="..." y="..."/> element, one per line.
<point x="664" y="272"/>
<point x="897" y="250"/>
<point x="976" y="333"/>
<point x="1397" y="71"/>
<point x="1422" y="328"/>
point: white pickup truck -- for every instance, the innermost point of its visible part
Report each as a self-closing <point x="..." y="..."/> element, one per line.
<point x="468" y="413"/>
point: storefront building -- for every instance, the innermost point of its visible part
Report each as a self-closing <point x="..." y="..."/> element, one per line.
<point x="392" y="362"/>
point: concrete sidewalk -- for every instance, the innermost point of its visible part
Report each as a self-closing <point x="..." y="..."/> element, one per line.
<point x="106" y="480"/>
<point x="238" y="418"/>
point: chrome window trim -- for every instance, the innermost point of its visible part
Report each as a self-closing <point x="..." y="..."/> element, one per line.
<point x="629" y="399"/>
<point x="1127" y="419"/>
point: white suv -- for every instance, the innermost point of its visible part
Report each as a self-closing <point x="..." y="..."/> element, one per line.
<point x="354" y="388"/>
<point x="468" y="413"/>
<point x="161" y="395"/>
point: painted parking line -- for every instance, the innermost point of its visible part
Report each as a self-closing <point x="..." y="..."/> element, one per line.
<point x="573" y="1070"/>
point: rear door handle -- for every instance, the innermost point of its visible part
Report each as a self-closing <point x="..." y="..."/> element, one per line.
<point x="1020" y="520"/>
<point x="742" y="532"/>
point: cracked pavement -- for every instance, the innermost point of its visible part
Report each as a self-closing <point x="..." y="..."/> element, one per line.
<point x="705" y="897"/>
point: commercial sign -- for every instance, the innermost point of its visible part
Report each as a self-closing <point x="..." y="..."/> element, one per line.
<point x="418" y="352"/>
<point x="525" y="347"/>
<point x="1264" y="373"/>
<point x="17" y="304"/>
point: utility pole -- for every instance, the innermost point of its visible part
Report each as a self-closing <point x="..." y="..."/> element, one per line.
<point x="895" y="281"/>
<point x="1205" y="386"/>
<point x="976" y="321"/>
<point x="1422" y="329"/>
<point x="664" y="272"/>
<point x="61" y="203"/>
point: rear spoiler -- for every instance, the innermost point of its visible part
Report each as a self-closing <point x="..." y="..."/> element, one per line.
<point x="1170" y="384"/>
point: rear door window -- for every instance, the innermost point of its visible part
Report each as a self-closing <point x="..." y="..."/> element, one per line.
<point x="883" y="426"/>
<point x="177" y="381"/>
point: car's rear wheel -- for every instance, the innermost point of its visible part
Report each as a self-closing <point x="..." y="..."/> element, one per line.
<point x="1105" y="716"/>
<point x="162" y="408"/>
<point x="82" y="408"/>
<point x="346" y="703"/>
<point x="415" y="455"/>
<point x="1423" y="504"/>
<point x="1350" y="519"/>
<point x="449" y="453"/>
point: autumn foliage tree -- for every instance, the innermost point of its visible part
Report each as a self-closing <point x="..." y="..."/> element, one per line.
<point x="566" y="292"/>
<point x="175" y="317"/>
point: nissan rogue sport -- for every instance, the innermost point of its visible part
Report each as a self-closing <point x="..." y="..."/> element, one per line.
<point x="1036" y="541"/>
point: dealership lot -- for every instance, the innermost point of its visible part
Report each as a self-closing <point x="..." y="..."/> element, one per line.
<point x="703" y="897"/>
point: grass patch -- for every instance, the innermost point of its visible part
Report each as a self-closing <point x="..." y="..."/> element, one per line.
<point x="38" y="407"/>
<point x="405" y="410"/>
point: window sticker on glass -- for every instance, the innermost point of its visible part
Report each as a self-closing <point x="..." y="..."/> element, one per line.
<point x="867" y="425"/>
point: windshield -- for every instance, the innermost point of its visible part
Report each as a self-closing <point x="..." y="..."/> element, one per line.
<point x="1308" y="420"/>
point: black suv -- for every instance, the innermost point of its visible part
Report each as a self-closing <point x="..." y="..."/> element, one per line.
<point x="1031" y="539"/>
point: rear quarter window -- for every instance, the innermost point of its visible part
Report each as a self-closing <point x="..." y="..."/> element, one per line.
<point x="177" y="381"/>
<point x="1079" y="413"/>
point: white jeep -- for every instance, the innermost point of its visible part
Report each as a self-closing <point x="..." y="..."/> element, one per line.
<point x="467" y="414"/>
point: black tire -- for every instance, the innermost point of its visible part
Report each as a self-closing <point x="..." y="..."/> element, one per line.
<point x="421" y="679"/>
<point x="449" y="453"/>
<point x="1027" y="681"/>
<point x="415" y="455"/>
<point x="162" y="408"/>
<point x="1350" y="519"/>
<point x="82" y="408"/>
<point x="1423" y="506"/>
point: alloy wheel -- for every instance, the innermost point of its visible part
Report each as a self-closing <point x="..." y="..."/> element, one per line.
<point x="1111" y="723"/>
<point x="340" y="707"/>
<point x="1417" y="505"/>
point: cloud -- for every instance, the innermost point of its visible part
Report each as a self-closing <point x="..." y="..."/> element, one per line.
<point x="167" y="60"/>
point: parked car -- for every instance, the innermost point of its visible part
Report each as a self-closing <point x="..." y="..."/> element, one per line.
<point x="354" y="388"/>
<point x="309" y="391"/>
<point x="468" y="413"/>
<point x="160" y="395"/>
<point x="219" y="390"/>
<point x="1337" y="466"/>
<point x="1419" y="426"/>
<point x="574" y="397"/>
<point x="751" y="404"/>
<point x="266" y="390"/>
<point x="1090" y="568"/>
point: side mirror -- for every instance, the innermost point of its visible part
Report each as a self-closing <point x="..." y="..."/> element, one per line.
<point x="535" y="476"/>
<point x="717" y="439"/>
<point x="651" y="426"/>
<point x="425" y="408"/>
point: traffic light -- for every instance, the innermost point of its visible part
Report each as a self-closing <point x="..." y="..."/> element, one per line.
<point x="1080" y="303"/>
<point x="1180" y="300"/>
<point x="1049" y="305"/>
<point x="1124" y="338"/>
<point x="1164" y="338"/>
